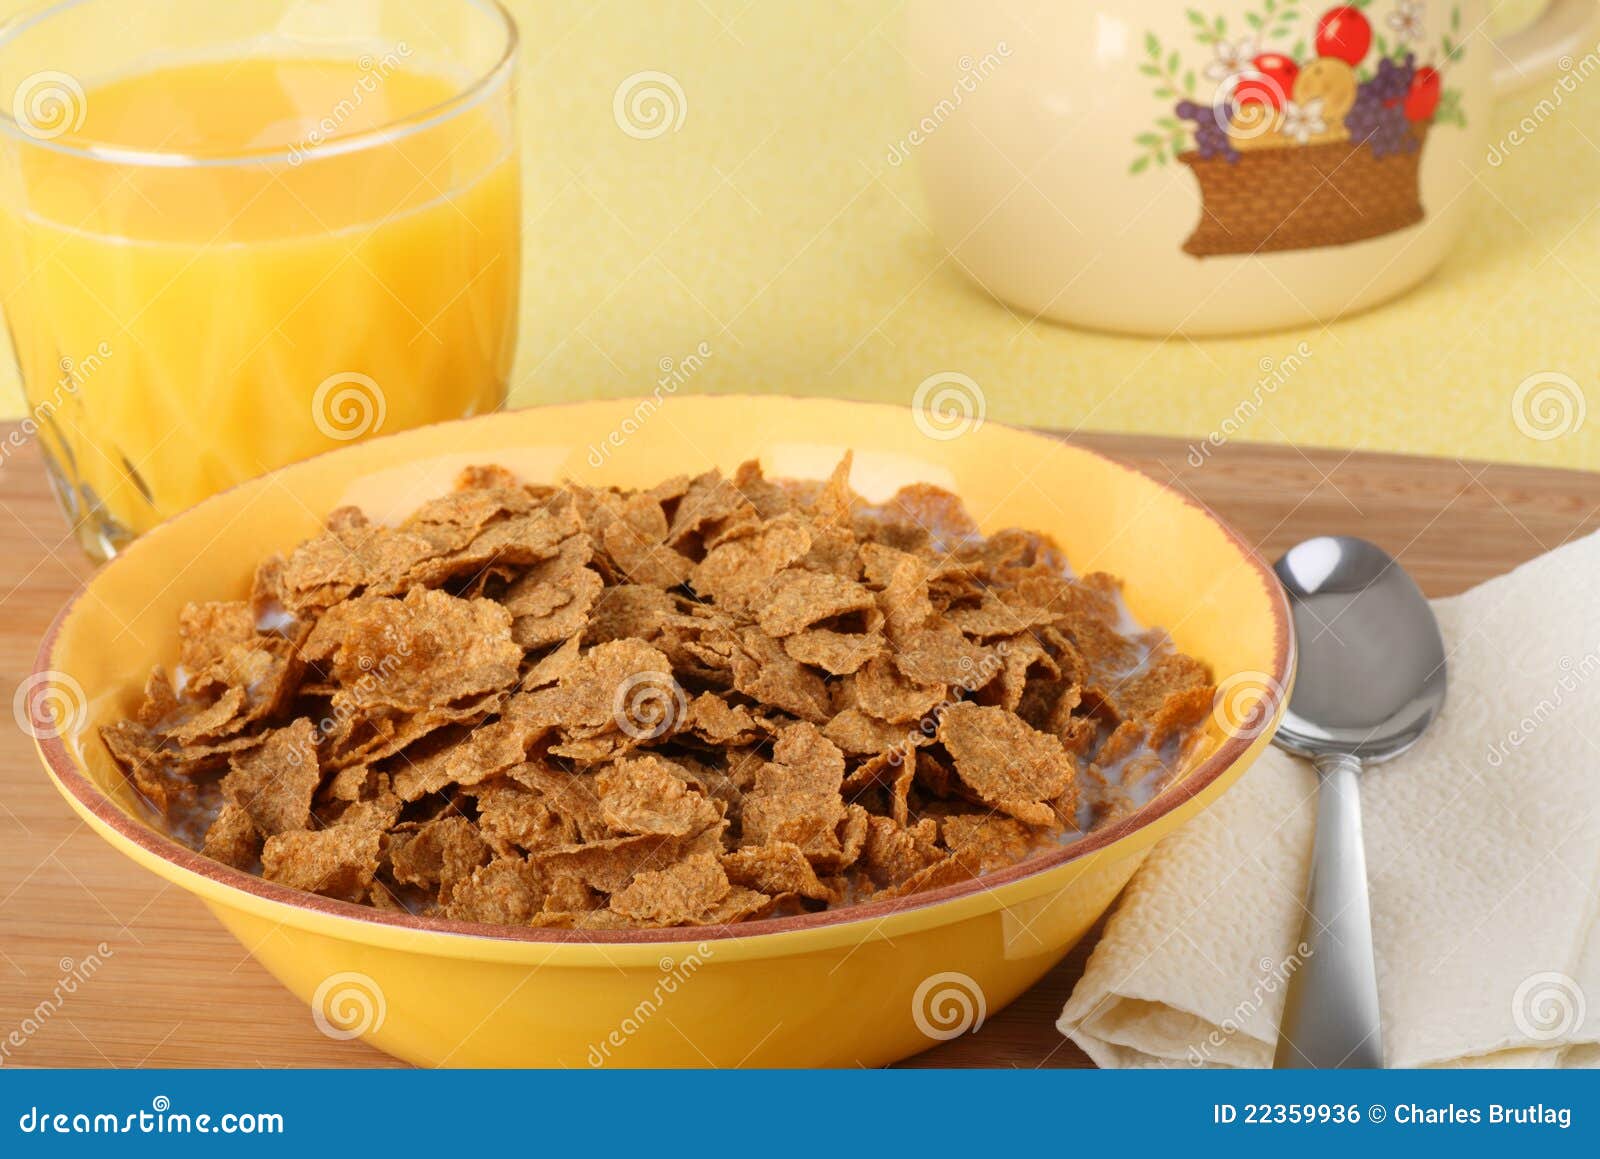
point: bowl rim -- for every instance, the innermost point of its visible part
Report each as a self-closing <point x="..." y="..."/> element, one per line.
<point x="75" y="781"/>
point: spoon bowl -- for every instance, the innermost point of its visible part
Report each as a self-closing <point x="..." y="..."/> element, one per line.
<point x="1372" y="667"/>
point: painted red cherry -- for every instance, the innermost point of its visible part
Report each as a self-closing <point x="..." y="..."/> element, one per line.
<point x="1272" y="81"/>
<point x="1343" y="33"/>
<point x="1423" y="98"/>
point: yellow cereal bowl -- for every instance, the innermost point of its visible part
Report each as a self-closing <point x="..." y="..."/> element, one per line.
<point x="864" y="985"/>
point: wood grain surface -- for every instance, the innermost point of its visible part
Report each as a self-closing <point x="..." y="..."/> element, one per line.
<point x="172" y="989"/>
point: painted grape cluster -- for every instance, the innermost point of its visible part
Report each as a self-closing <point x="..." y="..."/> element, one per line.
<point x="1210" y="129"/>
<point x="1382" y="114"/>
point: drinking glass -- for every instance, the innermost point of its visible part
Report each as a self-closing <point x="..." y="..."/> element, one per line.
<point x="236" y="234"/>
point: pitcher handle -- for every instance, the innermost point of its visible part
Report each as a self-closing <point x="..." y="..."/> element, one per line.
<point x="1565" y="29"/>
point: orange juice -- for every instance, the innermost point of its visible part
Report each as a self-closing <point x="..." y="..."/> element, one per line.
<point x="322" y="250"/>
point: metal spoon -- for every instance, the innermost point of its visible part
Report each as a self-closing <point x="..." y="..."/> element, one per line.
<point x="1371" y="679"/>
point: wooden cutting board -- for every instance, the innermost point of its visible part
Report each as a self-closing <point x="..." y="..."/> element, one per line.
<point x="171" y="989"/>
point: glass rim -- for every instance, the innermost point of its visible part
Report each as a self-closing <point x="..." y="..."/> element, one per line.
<point x="464" y="98"/>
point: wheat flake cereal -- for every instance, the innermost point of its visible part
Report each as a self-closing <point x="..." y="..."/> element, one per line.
<point x="714" y="700"/>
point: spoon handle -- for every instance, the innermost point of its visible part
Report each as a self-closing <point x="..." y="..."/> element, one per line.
<point x="1330" y="1017"/>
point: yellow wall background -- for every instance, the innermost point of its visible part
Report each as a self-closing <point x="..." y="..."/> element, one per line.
<point x="771" y="228"/>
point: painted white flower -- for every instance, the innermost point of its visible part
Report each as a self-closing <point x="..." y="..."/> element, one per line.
<point x="1407" y="19"/>
<point x="1231" y="59"/>
<point x="1302" y="122"/>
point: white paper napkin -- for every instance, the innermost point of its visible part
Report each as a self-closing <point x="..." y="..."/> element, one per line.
<point x="1483" y="849"/>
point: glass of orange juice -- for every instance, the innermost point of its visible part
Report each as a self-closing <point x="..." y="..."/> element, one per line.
<point x="235" y="233"/>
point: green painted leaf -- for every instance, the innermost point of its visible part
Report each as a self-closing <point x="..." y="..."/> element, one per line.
<point x="1140" y="164"/>
<point x="1449" y="111"/>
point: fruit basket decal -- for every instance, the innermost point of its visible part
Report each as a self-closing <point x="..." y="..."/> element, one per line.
<point x="1315" y="146"/>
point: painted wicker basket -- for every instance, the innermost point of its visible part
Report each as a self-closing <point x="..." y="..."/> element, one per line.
<point x="1303" y="197"/>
